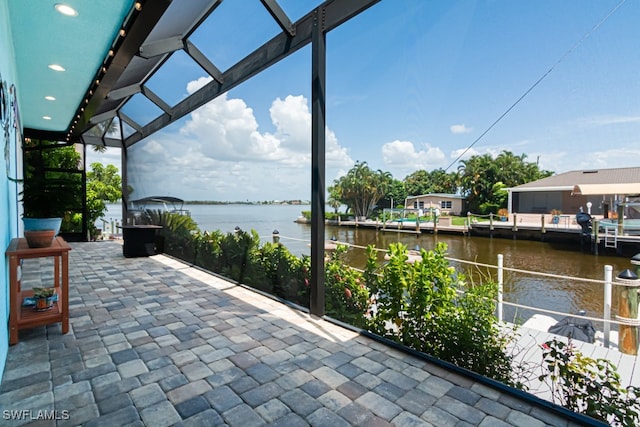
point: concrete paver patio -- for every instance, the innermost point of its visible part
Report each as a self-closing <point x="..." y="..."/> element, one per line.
<point x="156" y="342"/>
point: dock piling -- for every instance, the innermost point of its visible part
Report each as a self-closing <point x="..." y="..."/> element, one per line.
<point x="628" y="312"/>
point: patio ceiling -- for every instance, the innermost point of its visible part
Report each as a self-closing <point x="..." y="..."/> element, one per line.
<point x="109" y="50"/>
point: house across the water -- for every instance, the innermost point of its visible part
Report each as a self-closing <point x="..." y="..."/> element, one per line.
<point x="449" y="204"/>
<point x="601" y="192"/>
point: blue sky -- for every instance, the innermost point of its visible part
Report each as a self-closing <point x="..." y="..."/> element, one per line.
<point x="411" y="84"/>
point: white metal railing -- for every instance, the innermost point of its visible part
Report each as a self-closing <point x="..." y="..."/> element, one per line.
<point x="607" y="282"/>
<point x="109" y="227"/>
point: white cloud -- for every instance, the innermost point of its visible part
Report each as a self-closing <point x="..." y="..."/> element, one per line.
<point x="464" y="154"/>
<point x="403" y="157"/>
<point x="194" y="85"/>
<point x="226" y="129"/>
<point x="220" y="153"/>
<point x="607" y="120"/>
<point x="460" y="128"/>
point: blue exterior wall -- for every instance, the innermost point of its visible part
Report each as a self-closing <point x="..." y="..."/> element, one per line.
<point x="10" y="170"/>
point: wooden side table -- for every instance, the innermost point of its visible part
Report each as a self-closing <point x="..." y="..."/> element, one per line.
<point x="24" y="317"/>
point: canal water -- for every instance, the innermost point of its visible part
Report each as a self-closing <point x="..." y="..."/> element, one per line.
<point x="556" y="294"/>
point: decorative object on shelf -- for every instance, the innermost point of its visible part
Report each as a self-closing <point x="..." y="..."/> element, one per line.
<point x="43" y="298"/>
<point x="34" y="224"/>
<point x="40" y="232"/>
<point x="39" y="238"/>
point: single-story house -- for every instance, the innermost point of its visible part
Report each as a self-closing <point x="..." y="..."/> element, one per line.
<point x="449" y="204"/>
<point x="597" y="191"/>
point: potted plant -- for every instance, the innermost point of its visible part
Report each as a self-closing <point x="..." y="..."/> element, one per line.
<point x="503" y="213"/>
<point x="41" y="224"/>
<point x="555" y="216"/>
<point x="43" y="298"/>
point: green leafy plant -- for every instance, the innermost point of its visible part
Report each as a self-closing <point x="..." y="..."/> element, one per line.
<point x="275" y="270"/>
<point x="103" y="185"/>
<point x="52" y="181"/>
<point x="346" y="295"/>
<point x="589" y="386"/>
<point x="427" y="305"/>
<point x="175" y="237"/>
<point x="43" y="292"/>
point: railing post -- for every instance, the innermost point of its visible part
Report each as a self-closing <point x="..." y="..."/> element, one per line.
<point x="608" y="279"/>
<point x="500" y="285"/>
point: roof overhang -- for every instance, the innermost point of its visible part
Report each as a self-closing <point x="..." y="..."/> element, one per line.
<point x="440" y="195"/>
<point x="538" y="189"/>
<point x="605" y="189"/>
<point x="111" y="48"/>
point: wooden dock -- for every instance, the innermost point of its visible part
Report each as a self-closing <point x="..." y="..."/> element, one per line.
<point x="443" y="226"/>
<point x="520" y="227"/>
<point x="532" y="227"/>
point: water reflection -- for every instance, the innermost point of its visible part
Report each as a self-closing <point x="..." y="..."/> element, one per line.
<point x="557" y="294"/>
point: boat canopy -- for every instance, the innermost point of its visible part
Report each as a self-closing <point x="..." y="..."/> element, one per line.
<point x="158" y="199"/>
<point x="170" y="204"/>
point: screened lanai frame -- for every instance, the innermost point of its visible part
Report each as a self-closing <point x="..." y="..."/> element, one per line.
<point x="162" y="28"/>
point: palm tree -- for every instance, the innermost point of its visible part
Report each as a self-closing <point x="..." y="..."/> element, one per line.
<point x="361" y="188"/>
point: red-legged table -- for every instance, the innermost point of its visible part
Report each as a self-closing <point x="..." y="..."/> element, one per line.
<point x="24" y="317"/>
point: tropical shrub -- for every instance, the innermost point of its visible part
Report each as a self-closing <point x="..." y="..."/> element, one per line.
<point x="208" y="251"/>
<point x="346" y="296"/>
<point x="175" y="237"/>
<point x="428" y="306"/>
<point x="280" y="273"/>
<point x="589" y="386"/>
<point x="235" y="254"/>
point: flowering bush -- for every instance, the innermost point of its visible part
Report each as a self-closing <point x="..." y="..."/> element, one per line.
<point x="346" y="296"/>
<point x="589" y="386"/>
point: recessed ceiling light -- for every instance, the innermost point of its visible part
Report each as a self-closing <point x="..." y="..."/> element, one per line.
<point x="65" y="9"/>
<point x="46" y="117"/>
<point x="56" y="67"/>
<point x="50" y="98"/>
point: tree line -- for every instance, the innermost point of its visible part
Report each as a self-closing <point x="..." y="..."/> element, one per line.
<point x="481" y="179"/>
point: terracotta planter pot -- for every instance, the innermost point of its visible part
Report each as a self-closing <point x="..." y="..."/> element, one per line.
<point x="44" y="303"/>
<point x="39" y="238"/>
